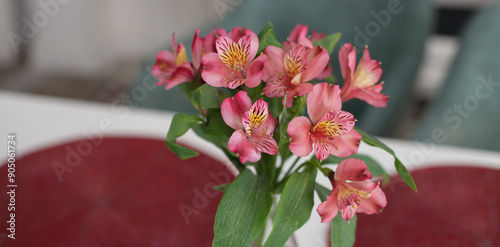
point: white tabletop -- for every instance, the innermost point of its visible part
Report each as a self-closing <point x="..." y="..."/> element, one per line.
<point x="40" y="122"/>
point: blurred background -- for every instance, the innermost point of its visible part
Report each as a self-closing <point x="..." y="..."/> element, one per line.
<point x="434" y="53"/>
<point x="441" y="67"/>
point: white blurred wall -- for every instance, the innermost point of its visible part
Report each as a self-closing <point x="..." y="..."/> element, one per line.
<point x="82" y="37"/>
<point x="6" y="24"/>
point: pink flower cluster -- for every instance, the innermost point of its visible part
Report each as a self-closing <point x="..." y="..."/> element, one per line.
<point x="230" y="60"/>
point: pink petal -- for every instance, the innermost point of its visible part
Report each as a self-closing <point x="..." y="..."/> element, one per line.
<point x="233" y="108"/>
<point x="377" y="200"/>
<point x="323" y="99"/>
<point x="251" y="40"/>
<point x="264" y="144"/>
<point x="220" y="32"/>
<point x="327" y="72"/>
<point x="239" y="144"/>
<point x="349" y="212"/>
<point x="255" y="71"/>
<point x="268" y="127"/>
<point x="329" y="208"/>
<point x="298" y="36"/>
<point x="289" y="45"/>
<point x="298" y="32"/>
<point x="197" y="49"/>
<point x="183" y="73"/>
<point x="290" y="95"/>
<point x="316" y="58"/>
<point x="346" y="144"/>
<point x="347" y="60"/>
<point x="304" y="88"/>
<point x="294" y="64"/>
<point x="352" y="169"/>
<point x="317" y="36"/>
<point x="274" y="64"/>
<point x="371" y="95"/>
<point x="225" y="49"/>
<point x="298" y="130"/>
<point x="164" y="66"/>
<point x="242" y="101"/>
<point x="214" y="70"/>
<point x="236" y="33"/>
<point x="274" y="88"/>
<point x="300" y="90"/>
<point x="370" y="67"/>
<point x="345" y="121"/>
<point x="174" y="47"/>
<point x="256" y="116"/>
<point x="321" y="149"/>
<point x="232" y="82"/>
<point x="209" y="42"/>
<point x="254" y="44"/>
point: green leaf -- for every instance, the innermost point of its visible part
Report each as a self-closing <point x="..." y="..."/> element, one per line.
<point x="405" y="175"/>
<point x="215" y="130"/>
<point x="267" y="37"/>
<point x="343" y="233"/>
<point x="284" y="140"/>
<point x="322" y="191"/>
<point x="206" y="96"/>
<point x="180" y="124"/>
<point x="400" y="168"/>
<point x="329" y="42"/>
<point x="372" y="141"/>
<point x="221" y="187"/>
<point x="294" y="207"/>
<point x="242" y="211"/>
<point x="283" y="113"/>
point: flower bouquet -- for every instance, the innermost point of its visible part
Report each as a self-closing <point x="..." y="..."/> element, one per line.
<point x="252" y="94"/>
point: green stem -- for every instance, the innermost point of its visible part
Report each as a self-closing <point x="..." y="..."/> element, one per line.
<point x="283" y="181"/>
<point x="325" y="170"/>
<point x="291" y="168"/>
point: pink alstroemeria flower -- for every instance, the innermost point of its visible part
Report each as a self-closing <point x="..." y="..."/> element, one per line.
<point x="317" y="36"/>
<point x="359" y="196"/>
<point x="204" y="45"/>
<point x="361" y="82"/>
<point x="171" y="69"/>
<point x="331" y="130"/>
<point x="234" y="64"/>
<point x="254" y="127"/>
<point x="298" y="36"/>
<point x="287" y="73"/>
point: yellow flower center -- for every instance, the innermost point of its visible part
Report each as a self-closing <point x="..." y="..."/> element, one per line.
<point x="235" y="56"/>
<point x="257" y="117"/>
<point x="327" y="127"/>
<point x="181" y="57"/>
<point x="348" y="195"/>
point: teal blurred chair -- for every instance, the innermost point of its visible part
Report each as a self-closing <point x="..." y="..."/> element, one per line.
<point x="467" y="110"/>
<point x="394" y="30"/>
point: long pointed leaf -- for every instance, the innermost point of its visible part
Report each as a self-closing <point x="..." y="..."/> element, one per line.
<point x="400" y="168"/>
<point x="206" y="96"/>
<point x="267" y="37"/>
<point x="180" y="124"/>
<point x="342" y="232"/>
<point x="322" y="191"/>
<point x="329" y="42"/>
<point x="294" y="207"/>
<point x="242" y="211"/>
